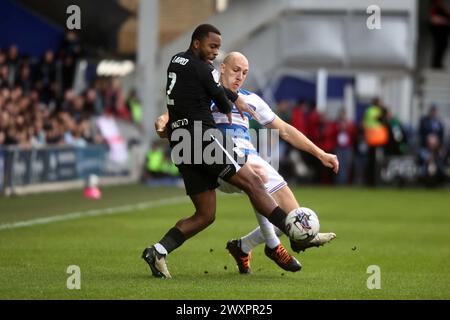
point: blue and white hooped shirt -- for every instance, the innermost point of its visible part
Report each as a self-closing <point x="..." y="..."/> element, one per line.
<point x="240" y="127"/>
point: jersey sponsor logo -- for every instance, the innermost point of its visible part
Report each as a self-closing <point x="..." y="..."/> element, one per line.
<point x="179" y="123"/>
<point x="180" y="60"/>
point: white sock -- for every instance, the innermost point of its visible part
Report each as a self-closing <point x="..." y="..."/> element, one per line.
<point x="161" y="250"/>
<point x="268" y="231"/>
<point x="264" y="233"/>
<point x="278" y="232"/>
<point x="251" y="240"/>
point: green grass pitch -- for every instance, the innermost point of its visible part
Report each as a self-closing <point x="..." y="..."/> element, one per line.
<point x="404" y="232"/>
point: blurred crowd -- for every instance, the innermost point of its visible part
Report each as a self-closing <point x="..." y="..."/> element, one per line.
<point x="39" y="105"/>
<point x="361" y="147"/>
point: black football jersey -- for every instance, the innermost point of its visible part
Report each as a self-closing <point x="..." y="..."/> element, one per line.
<point x="191" y="86"/>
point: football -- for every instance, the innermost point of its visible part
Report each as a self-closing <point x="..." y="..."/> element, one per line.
<point x="302" y="224"/>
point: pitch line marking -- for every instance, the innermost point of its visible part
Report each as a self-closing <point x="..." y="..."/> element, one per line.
<point x="94" y="213"/>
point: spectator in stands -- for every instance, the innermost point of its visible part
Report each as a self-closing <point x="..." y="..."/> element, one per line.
<point x="4" y="120"/>
<point x="93" y="102"/>
<point x="70" y="51"/>
<point x="13" y="62"/>
<point x="313" y="132"/>
<point x="2" y="57"/>
<point x="439" y="19"/>
<point x="54" y="131"/>
<point x="24" y="79"/>
<point x="345" y="139"/>
<point x="100" y="86"/>
<point x="376" y="135"/>
<point x="283" y="110"/>
<point x="4" y="82"/>
<point x="431" y="124"/>
<point x="134" y="107"/>
<point x="3" y="70"/>
<point x="16" y="94"/>
<point x="328" y="133"/>
<point x="77" y="112"/>
<point x="46" y="77"/>
<point x="313" y="123"/>
<point x="34" y="96"/>
<point x="38" y="137"/>
<point x="87" y="131"/>
<point x="298" y="116"/>
<point x="433" y="162"/>
<point x="10" y="136"/>
<point x="69" y="126"/>
<point x="68" y="71"/>
<point x="327" y="142"/>
<point x="360" y="152"/>
<point x="286" y="163"/>
<point x="67" y="102"/>
<point x="398" y="141"/>
<point x="74" y="137"/>
<point x="72" y="45"/>
<point x="114" y="100"/>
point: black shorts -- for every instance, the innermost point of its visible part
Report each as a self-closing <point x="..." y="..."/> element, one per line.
<point x="200" y="177"/>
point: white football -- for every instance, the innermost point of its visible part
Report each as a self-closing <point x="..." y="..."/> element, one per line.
<point x="302" y="224"/>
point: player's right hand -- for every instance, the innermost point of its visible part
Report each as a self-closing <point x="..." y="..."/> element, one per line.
<point x="160" y="125"/>
<point x="330" y="160"/>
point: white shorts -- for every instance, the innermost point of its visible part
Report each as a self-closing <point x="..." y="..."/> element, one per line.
<point x="274" y="180"/>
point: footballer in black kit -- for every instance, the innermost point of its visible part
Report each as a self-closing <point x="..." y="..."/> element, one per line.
<point x="191" y="84"/>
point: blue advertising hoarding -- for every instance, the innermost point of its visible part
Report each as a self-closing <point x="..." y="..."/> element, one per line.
<point x="21" y="167"/>
<point x="91" y="161"/>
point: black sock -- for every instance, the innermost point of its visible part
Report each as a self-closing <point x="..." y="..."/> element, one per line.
<point x="172" y="239"/>
<point x="278" y="218"/>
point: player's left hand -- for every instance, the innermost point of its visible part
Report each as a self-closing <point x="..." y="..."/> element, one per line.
<point x="330" y="161"/>
<point x="229" y="115"/>
<point x="242" y="107"/>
